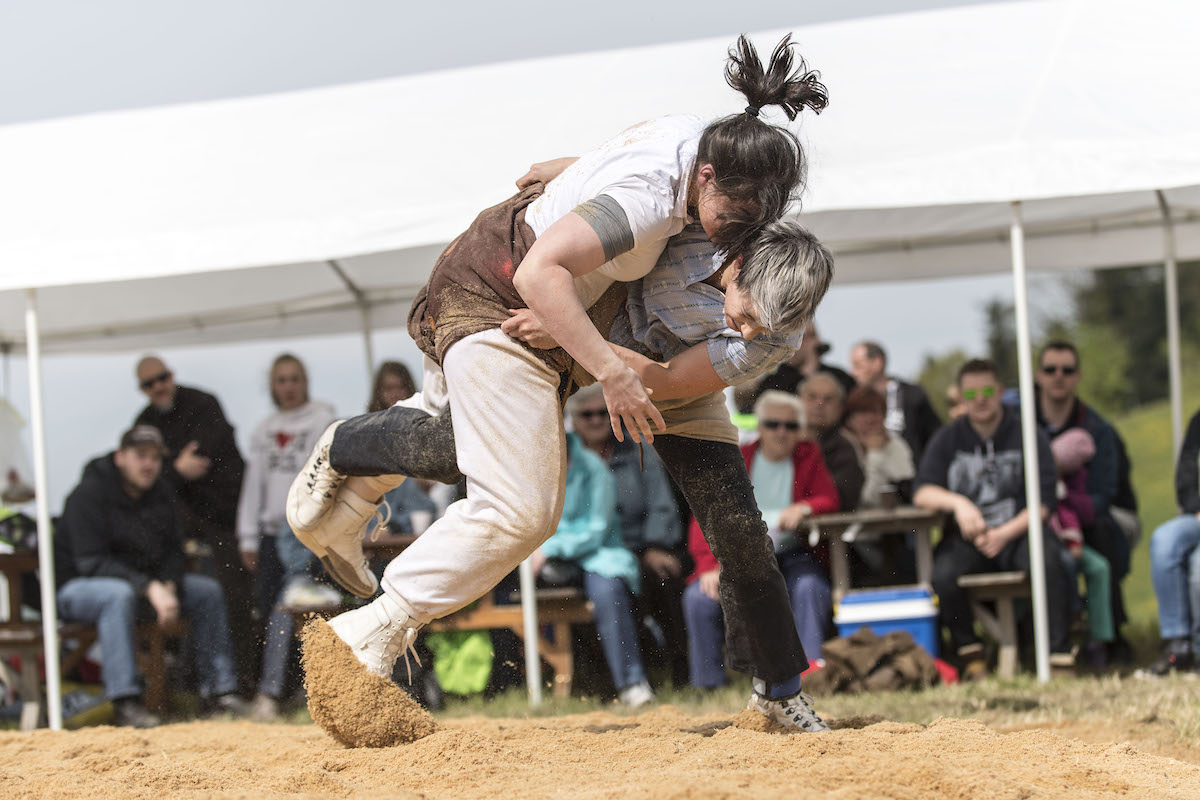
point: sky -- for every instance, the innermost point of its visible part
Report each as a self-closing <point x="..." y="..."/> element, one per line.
<point x="70" y="57"/>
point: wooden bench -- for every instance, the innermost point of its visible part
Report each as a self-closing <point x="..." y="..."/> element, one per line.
<point x="558" y="608"/>
<point x="24" y="641"/>
<point x="1000" y="589"/>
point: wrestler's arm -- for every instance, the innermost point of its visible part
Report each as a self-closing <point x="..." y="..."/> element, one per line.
<point x="688" y="374"/>
<point x="545" y="280"/>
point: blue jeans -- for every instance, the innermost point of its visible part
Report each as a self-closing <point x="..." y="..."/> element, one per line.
<point x="615" y="624"/>
<point x="811" y="600"/>
<point x="1175" y="569"/>
<point x="111" y="605"/>
<point x="270" y="579"/>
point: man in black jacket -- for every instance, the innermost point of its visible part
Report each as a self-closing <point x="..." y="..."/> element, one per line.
<point x="119" y="560"/>
<point x="909" y="412"/>
<point x="204" y="468"/>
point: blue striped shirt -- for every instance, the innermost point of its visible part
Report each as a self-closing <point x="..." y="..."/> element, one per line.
<point x="672" y="309"/>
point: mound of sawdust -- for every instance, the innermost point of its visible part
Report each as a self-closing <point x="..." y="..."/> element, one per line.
<point x="352" y="705"/>
<point x="664" y="753"/>
<point x="748" y="720"/>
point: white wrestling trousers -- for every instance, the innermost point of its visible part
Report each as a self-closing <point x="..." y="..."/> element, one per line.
<point x="508" y="431"/>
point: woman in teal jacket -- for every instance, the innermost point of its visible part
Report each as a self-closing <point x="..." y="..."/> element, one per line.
<point x="588" y="535"/>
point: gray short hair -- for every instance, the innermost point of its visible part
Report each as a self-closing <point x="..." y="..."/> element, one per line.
<point x="774" y="397"/>
<point x="584" y="395"/>
<point x="785" y="271"/>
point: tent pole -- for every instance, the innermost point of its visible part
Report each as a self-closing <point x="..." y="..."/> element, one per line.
<point x="33" y="356"/>
<point x="1171" y="283"/>
<point x="365" y="310"/>
<point x="533" y="660"/>
<point x="1033" y="495"/>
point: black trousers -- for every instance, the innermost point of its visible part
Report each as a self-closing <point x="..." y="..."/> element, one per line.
<point x="760" y="632"/>
<point x="955" y="557"/>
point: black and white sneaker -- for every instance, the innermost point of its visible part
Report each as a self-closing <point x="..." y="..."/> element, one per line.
<point x="1176" y="657"/>
<point x="795" y="711"/>
<point x="129" y="712"/>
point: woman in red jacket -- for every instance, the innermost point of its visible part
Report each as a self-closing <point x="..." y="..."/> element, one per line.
<point x="791" y="483"/>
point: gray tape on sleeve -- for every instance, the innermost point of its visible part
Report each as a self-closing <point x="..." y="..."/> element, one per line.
<point x="608" y="220"/>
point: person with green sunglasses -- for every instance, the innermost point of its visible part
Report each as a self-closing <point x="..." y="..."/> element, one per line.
<point x="974" y="469"/>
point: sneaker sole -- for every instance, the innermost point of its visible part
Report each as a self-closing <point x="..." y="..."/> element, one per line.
<point x="338" y="568"/>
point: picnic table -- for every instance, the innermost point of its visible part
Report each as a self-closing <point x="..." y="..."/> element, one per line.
<point x="842" y="528"/>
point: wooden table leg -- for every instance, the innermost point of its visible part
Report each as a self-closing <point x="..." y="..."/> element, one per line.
<point x="924" y="557"/>
<point x="31" y="693"/>
<point x="839" y="558"/>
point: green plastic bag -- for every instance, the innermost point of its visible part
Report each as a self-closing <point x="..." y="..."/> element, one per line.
<point x="462" y="660"/>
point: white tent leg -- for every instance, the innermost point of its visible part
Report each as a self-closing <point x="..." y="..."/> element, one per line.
<point x="529" y="615"/>
<point x="368" y="344"/>
<point x="33" y="356"/>
<point x="1033" y="494"/>
<point x="1171" y="282"/>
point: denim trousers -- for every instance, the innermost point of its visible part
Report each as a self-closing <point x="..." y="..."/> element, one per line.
<point x="1175" y="569"/>
<point x="281" y="559"/>
<point x="955" y="557"/>
<point x="112" y="606"/>
<point x="612" y="605"/>
<point x="811" y="604"/>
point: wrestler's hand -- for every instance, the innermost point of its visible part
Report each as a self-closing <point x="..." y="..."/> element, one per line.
<point x="545" y="171"/>
<point x="524" y="325"/>
<point x="628" y="402"/>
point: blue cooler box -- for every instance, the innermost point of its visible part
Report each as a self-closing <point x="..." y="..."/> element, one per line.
<point x="903" y="608"/>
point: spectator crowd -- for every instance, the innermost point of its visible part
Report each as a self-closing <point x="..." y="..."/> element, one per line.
<point x="177" y="528"/>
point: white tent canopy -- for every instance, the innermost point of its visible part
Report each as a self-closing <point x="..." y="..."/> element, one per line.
<point x="317" y="211"/>
<point x="216" y="221"/>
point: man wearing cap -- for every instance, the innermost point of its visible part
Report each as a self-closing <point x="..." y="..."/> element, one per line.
<point x="204" y="468"/>
<point x="119" y="561"/>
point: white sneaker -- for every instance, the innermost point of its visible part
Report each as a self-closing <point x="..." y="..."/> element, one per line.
<point x="378" y="633"/>
<point x="637" y="695"/>
<point x="264" y="708"/>
<point x="791" y="712"/>
<point x="337" y="541"/>
<point x="314" y="489"/>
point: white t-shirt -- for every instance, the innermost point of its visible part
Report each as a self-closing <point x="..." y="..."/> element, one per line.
<point x="645" y="170"/>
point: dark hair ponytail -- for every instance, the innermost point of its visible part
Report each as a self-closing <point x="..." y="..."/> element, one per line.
<point x="779" y="85"/>
<point x="760" y="166"/>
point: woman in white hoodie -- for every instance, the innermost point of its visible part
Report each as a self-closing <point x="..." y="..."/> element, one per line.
<point x="279" y="446"/>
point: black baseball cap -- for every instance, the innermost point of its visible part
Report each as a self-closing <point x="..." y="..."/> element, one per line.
<point x="142" y="436"/>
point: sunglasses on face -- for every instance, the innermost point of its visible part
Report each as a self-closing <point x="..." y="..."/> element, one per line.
<point x="150" y="382"/>
<point x="1054" y="369"/>
<point x="775" y="424"/>
<point x="986" y="391"/>
<point x="592" y="413"/>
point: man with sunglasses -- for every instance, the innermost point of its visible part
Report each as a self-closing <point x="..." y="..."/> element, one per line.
<point x="204" y="468"/>
<point x="1059" y="409"/>
<point x="974" y="469"/>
